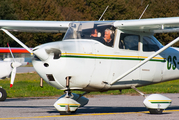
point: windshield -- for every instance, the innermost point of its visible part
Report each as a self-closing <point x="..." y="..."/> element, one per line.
<point x="100" y="31"/>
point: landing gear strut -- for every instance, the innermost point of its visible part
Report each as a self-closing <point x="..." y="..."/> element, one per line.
<point x="3" y="94"/>
<point x="155" y="103"/>
<point x="70" y="102"/>
<point x="68" y="91"/>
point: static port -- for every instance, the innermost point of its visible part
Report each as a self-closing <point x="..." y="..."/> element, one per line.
<point x="46" y="64"/>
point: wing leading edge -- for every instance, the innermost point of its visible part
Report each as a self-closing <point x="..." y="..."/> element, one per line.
<point x="34" y="26"/>
<point x="153" y="25"/>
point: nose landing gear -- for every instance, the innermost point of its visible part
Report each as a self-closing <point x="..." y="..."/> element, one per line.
<point x="70" y="102"/>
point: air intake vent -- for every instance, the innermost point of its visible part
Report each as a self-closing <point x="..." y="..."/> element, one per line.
<point x="50" y="77"/>
<point x="57" y="52"/>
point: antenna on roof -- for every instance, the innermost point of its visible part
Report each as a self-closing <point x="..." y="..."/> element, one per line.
<point x="143" y="11"/>
<point x="103" y="13"/>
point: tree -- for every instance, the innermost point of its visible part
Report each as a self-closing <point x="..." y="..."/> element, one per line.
<point x="38" y="10"/>
<point x="7" y="12"/>
<point x="115" y="11"/>
<point x="81" y="10"/>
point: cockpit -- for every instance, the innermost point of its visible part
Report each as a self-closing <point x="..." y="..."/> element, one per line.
<point x="104" y="33"/>
<point x="100" y="31"/>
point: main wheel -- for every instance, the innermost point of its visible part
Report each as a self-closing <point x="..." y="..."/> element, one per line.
<point x="3" y="94"/>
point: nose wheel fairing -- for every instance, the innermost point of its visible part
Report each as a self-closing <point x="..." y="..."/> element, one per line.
<point x="70" y="102"/>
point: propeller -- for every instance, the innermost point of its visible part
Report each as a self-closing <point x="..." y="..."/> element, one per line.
<point x="14" y="66"/>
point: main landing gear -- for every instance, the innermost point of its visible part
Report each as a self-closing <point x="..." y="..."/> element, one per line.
<point x="3" y="94"/>
<point x="70" y="102"/>
<point x="155" y="103"/>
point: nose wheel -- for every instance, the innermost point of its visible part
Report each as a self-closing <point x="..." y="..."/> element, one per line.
<point x="3" y="94"/>
<point x="65" y="104"/>
<point x="70" y="102"/>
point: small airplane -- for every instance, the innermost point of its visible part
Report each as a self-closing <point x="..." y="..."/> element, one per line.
<point x="8" y="68"/>
<point x="102" y="56"/>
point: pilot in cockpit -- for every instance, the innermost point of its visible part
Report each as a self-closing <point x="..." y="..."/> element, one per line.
<point x="94" y="33"/>
<point x="106" y="40"/>
<point x="108" y="37"/>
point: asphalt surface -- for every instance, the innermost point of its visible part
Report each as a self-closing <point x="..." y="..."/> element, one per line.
<point x="25" y="69"/>
<point x="101" y="107"/>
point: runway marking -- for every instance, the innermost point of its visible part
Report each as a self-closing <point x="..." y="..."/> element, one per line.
<point x="93" y="114"/>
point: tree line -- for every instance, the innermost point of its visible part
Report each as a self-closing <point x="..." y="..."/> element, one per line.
<point x="81" y="10"/>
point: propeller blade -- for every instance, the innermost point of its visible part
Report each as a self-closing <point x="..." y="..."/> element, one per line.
<point x="13" y="74"/>
<point x="14" y="65"/>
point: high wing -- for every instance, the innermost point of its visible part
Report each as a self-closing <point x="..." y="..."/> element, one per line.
<point x="34" y="26"/>
<point x="153" y="25"/>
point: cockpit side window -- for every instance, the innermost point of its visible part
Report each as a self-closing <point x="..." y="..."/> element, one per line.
<point x="99" y="31"/>
<point x="149" y="44"/>
<point x="129" y="41"/>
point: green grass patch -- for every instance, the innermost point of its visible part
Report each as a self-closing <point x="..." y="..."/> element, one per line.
<point x="28" y="85"/>
<point x="164" y="87"/>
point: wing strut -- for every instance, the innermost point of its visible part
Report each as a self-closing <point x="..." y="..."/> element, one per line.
<point x="17" y="40"/>
<point x="144" y="61"/>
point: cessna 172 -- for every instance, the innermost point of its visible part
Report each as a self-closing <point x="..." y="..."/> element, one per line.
<point x="102" y="56"/>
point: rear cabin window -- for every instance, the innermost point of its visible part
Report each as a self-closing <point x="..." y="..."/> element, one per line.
<point x="149" y="44"/>
<point x="129" y="41"/>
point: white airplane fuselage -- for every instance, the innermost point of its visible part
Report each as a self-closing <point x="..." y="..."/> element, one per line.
<point x="90" y="64"/>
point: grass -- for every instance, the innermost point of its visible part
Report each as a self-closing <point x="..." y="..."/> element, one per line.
<point x="164" y="87"/>
<point x="27" y="85"/>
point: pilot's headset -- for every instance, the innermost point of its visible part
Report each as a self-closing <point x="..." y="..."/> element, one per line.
<point x="99" y="34"/>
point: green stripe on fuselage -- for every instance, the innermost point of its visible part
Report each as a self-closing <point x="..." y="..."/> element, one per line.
<point x="113" y="58"/>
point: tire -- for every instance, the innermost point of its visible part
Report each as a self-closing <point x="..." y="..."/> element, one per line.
<point x="65" y="113"/>
<point x="155" y="111"/>
<point x="3" y="94"/>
